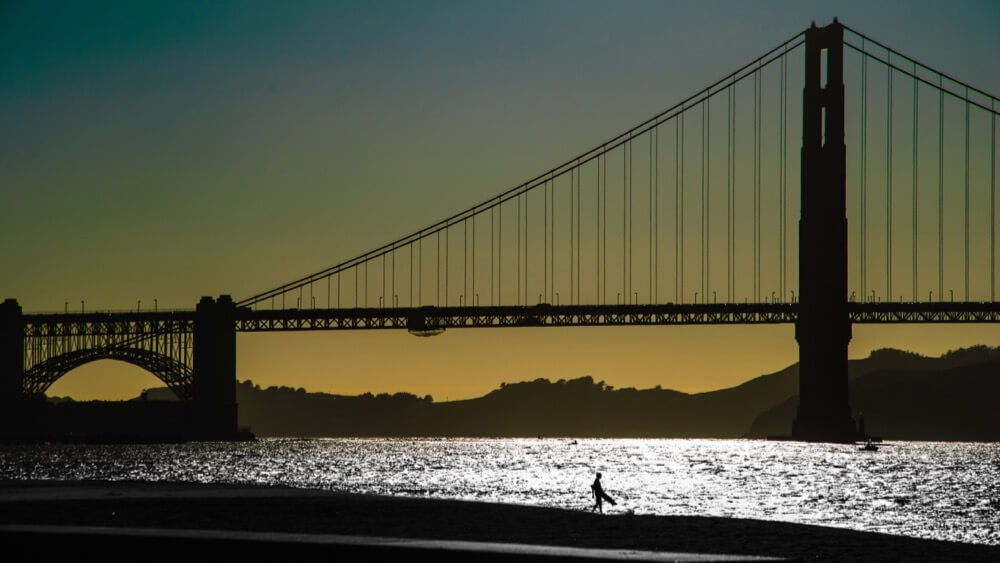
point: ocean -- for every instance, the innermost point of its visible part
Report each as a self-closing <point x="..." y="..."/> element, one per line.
<point x="947" y="491"/>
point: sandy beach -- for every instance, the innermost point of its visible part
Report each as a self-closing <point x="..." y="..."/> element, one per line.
<point x="277" y="509"/>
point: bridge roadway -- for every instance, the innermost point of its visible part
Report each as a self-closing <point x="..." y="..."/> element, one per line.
<point x="432" y="318"/>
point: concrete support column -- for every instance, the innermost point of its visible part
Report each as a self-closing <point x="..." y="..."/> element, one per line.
<point x="11" y="352"/>
<point x="823" y="329"/>
<point x="12" y="403"/>
<point x="214" y="385"/>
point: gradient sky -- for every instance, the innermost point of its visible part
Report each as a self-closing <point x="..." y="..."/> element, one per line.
<point x="169" y="150"/>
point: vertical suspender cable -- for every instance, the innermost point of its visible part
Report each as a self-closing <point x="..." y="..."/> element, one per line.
<point x="888" y="182"/>
<point x="781" y="181"/>
<point x="756" y="165"/>
<point x="437" y="268"/>
<point x="993" y="202"/>
<point x="966" y="193"/>
<point x="631" y="212"/>
<point x="681" y="210"/>
<point x="729" y="199"/>
<point x="597" y="232"/>
<point x="604" y="266"/>
<point x="677" y="192"/>
<point x="625" y="161"/>
<point x="447" y="262"/>
<point x="574" y="233"/>
<point x="916" y="132"/>
<point x="492" y="231"/>
<point x="703" y="226"/>
<point x="656" y="215"/>
<point x="571" y="219"/>
<point x="473" y="294"/>
<point x="651" y="208"/>
<point x="784" y="180"/>
<point x="760" y="176"/>
<point x="545" y="241"/>
<point x="523" y="257"/>
<point x="550" y="236"/>
<point x="940" y="188"/>
<point x="517" y="238"/>
<point x="708" y="197"/>
<point x="864" y="170"/>
<point x="732" y="197"/>
<point x="499" y="252"/>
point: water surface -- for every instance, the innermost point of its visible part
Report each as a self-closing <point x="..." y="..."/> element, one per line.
<point x="934" y="490"/>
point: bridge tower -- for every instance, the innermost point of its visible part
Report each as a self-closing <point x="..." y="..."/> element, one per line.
<point x="214" y="373"/>
<point x="823" y="329"/>
<point x="11" y="353"/>
<point x="11" y="368"/>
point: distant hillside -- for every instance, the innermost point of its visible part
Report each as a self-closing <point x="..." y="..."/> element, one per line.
<point x="902" y="395"/>
<point x="952" y="399"/>
<point x="577" y="407"/>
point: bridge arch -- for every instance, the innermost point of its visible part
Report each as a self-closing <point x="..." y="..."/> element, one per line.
<point x="176" y="375"/>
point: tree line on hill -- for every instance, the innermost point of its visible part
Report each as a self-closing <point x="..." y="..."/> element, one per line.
<point x="901" y="395"/>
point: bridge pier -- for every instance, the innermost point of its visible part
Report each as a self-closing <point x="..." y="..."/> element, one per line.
<point x="13" y="404"/>
<point x="823" y="328"/>
<point x="11" y="368"/>
<point x="214" y="373"/>
<point x="11" y="352"/>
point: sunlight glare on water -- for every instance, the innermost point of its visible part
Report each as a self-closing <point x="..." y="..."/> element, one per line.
<point x="934" y="490"/>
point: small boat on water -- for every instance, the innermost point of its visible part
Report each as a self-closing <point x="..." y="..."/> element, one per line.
<point x="868" y="447"/>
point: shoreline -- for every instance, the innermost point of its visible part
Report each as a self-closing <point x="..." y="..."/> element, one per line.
<point x="262" y="509"/>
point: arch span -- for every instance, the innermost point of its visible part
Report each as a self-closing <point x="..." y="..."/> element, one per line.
<point x="176" y="375"/>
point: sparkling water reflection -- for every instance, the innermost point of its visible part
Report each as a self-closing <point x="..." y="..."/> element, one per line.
<point x="933" y="490"/>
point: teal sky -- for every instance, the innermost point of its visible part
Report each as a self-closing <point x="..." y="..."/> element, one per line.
<point x="169" y="150"/>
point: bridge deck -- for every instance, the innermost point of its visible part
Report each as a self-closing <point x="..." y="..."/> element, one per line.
<point x="430" y="318"/>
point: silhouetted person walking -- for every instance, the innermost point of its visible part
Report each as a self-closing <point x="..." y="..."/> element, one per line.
<point x="599" y="495"/>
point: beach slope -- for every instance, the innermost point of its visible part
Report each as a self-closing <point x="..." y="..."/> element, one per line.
<point x="185" y="506"/>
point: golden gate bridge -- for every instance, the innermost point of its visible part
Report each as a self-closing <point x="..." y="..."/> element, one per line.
<point x="685" y="218"/>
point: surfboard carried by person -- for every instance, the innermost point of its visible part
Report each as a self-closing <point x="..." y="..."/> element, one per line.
<point x="599" y="495"/>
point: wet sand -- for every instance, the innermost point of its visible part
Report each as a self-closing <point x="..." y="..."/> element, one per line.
<point x="277" y="509"/>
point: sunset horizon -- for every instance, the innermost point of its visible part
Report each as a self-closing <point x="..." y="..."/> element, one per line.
<point x="163" y="185"/>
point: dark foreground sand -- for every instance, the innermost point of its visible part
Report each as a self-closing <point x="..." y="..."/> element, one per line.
<point x="275" y="509"/>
